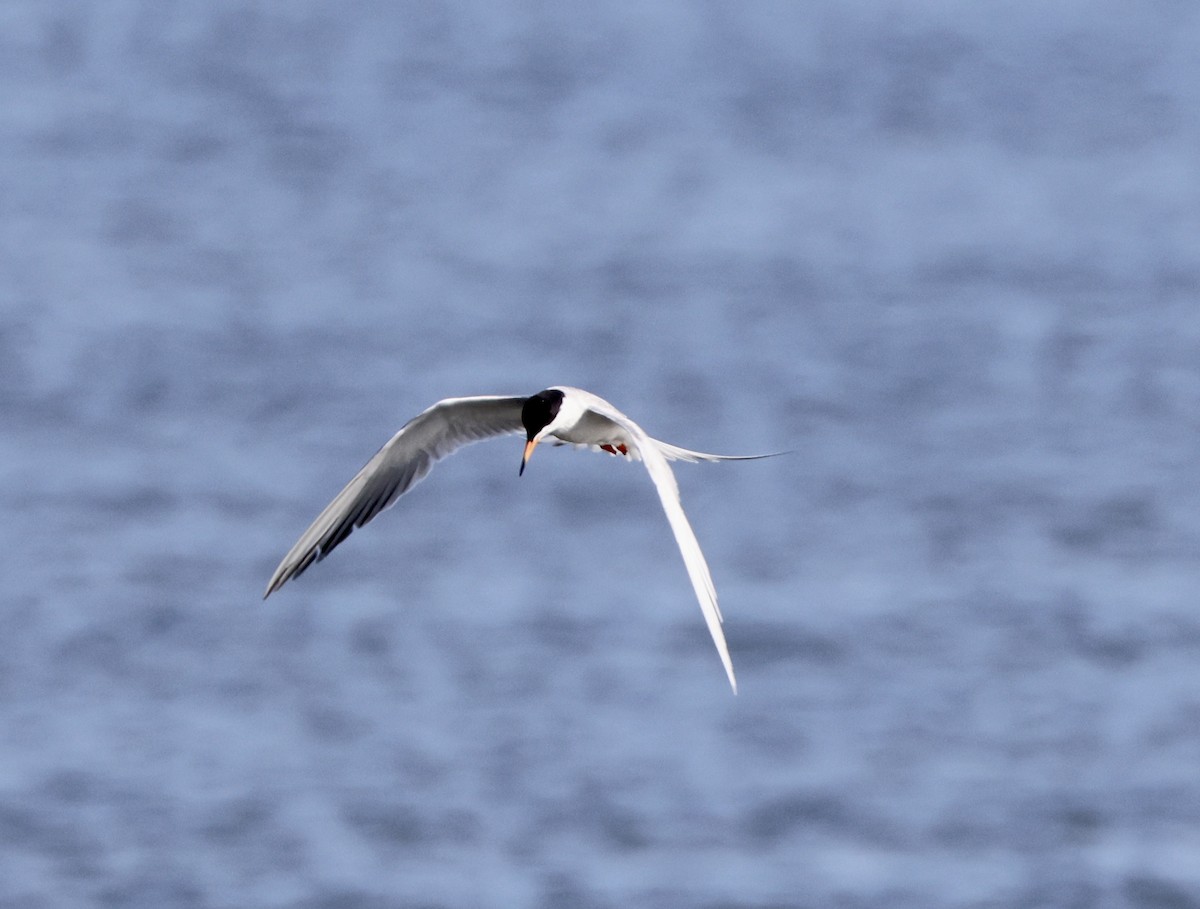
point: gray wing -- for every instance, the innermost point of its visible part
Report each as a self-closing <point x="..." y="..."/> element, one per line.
<point x="397" y="467"/>
<point x="655" y="455"/>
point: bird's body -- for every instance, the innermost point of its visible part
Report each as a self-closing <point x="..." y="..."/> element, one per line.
<point x="563" y="414"/>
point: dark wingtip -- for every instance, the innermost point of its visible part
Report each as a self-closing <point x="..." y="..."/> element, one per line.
<point x="275" y="584"/>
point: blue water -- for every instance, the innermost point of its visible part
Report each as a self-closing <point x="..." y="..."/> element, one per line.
<point x="946" y="253"/>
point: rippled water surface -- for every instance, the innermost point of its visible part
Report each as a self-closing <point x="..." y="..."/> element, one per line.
<point x="944" y="253"/>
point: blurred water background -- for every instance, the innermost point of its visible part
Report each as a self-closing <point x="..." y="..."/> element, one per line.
<point x="946" y="252"/>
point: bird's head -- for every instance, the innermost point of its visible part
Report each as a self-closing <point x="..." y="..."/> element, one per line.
<point x="538" y="415"/>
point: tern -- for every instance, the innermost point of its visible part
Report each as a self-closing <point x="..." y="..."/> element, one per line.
<point x="567" y="416"/>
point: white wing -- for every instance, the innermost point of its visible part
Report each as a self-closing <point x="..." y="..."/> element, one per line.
<point x="397" y="467"/>
<point x="655" y="454"/>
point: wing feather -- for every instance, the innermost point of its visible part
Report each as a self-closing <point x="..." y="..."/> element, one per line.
<point x="655" y="459"/>
<point x="398" y="466"/>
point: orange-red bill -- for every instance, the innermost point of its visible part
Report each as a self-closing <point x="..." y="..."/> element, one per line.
<point x="529" y="447"/>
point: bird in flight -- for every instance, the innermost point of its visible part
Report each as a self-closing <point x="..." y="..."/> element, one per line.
<point x="565" y="415"/>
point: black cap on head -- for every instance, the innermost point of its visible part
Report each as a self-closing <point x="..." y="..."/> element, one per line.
<point x="537" y="413"/>
<point x="540" y="410"/>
